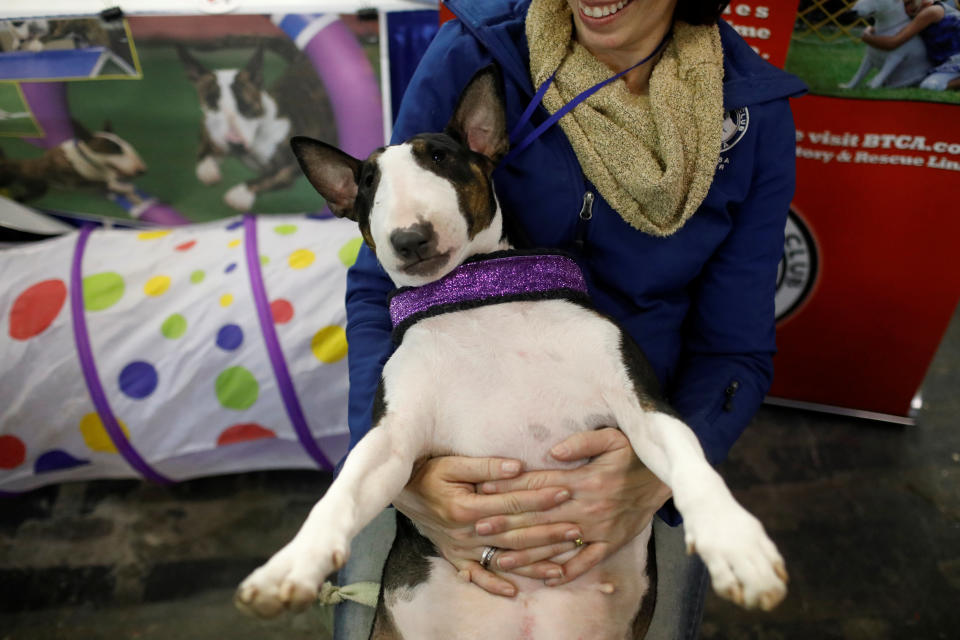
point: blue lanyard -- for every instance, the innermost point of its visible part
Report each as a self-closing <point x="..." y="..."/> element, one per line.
<point x="516" y="149"/>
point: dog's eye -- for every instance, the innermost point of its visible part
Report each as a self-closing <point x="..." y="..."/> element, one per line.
<point x="368" y="180"/>
<point x="438" y="156"/>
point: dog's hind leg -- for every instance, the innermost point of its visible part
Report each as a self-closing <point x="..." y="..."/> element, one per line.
<point x="743" y="563"/>
<point x="374" y="473"/>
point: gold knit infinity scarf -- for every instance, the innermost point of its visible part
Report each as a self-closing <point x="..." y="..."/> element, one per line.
<point x="651" y="157"/>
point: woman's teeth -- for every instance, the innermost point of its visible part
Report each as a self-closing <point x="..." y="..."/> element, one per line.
<point x="601" y="12"/>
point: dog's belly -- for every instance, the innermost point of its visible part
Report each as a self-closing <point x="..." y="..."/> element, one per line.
<point x="446" y="608"/>
<point x="513" y="379"/>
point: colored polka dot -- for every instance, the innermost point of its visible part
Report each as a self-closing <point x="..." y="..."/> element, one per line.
<point x="157" y="286"/>
<point x="56" y="460"/>
<point x="301" y="259"/>
<point x="197" y="276"/>
<point x="138" y="379"/>
<point x="174" y="326"/>
<point x="96" y="436"/>
<point x="237" y="388"/>
<point x="285" y="229"/>
<point x="329" y="344"/>
<point x="282" y="311"/>
<point x="244" y="433"/>
<point x="102" y="290"/>
<point x="230" y="267"/>
<point x="35" y="309"/>
<point x="348" y="252"/>
<point x="226" y="300"/>
<point x="236" y="224"/>
<point x="229" y="337"/>
<point x="186" y="246"/>
<point x="233" y="244"/>
<point x="264" y="261"/>
<point x="12" y="452"/>
<point x="153" y="235"/>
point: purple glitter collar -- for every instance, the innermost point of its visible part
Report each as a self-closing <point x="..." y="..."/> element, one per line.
<point x="504" y="276"/>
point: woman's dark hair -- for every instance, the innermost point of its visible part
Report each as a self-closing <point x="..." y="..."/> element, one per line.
<point x="699" y="11"/>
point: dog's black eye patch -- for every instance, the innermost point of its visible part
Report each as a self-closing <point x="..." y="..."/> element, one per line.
<point x="104" y="145"/>
<point x="247" y="95"/>
<point x="209" y="91"/>
<point x="467" y="171"/>
<point x="368" y="179"/>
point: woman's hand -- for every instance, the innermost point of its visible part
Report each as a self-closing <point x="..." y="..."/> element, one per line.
<point x="441" y="497"/>
<point x="613" y="498"/>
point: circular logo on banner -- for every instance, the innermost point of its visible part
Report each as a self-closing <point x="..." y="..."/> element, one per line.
<point x="735" y="124"/>
<point x="797" y="271"/>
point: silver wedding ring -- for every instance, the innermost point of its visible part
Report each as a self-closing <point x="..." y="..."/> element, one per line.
<point x="487" y="556"/>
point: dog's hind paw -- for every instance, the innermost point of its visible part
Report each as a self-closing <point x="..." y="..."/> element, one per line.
<point x="744" y="564"/>
<point x="289" y="581"/>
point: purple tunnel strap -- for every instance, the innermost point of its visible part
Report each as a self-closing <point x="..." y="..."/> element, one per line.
<point x="504" y="277"/>
<point x="89" y="368"/>
<point x="287" y="391"/>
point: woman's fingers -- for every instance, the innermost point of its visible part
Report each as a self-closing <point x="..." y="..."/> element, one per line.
<point x="533" y="537"/>
<point x="540" y="571"/>
<point x="507" y="560"/>
<point x="471" y="571"/>
<point x="589" y="557"/>
<point x="477" y="506"/>
<point x="476" y="470"/>
<point x="589" y="444"/>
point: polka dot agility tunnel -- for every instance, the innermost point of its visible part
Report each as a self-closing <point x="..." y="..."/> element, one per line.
<point x="174" y="353"/>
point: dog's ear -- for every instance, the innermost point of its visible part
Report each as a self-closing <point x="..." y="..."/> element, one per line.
<point x="195" y="70"/>
<point x="332" y="173"/>
<point x="480" y="120"/>
<point x="107" y="127"/>
<point x="80" y="132"/>
<point x="254" y="67"/>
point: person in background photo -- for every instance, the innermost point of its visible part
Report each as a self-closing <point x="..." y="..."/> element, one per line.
<point x="670" y="186"/>
<point x="938" y="25"/>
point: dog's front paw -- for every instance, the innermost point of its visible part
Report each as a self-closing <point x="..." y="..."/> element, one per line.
<point x="208" y="171"/>
<point x="290" y="580"/>
<point x="744" y="564"/>
<point x="846" y="85"/>
<point x="240" y="197"/>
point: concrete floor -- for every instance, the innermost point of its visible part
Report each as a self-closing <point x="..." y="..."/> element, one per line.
<point x="867" y="516"/>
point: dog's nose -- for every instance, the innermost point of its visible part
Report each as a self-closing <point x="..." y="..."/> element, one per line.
<point x="412" y="241"/>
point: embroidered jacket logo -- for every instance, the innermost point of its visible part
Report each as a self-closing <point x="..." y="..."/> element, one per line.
<point x="735" y="124"/>
<point x="797" y="272"/>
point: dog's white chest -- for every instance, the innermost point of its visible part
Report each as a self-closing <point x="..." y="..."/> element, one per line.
<point x="508" y="380"/>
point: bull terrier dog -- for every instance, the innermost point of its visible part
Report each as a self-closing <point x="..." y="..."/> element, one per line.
<point x="906" y="65"/>
<point x="499" y="354"/>
<point x="100" y="160"/>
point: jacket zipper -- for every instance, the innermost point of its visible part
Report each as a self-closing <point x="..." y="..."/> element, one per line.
<point x="586" y="214"/>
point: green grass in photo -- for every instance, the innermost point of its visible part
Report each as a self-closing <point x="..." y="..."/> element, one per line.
<point x="160" y="116"/>
<point x="826" y="65"/>
<point x="15" y="116"/>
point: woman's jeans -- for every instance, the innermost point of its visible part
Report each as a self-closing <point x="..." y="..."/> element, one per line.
<point x="681" y="582"/>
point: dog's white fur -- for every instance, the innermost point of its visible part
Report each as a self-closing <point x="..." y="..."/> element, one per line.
<point x="905" y="66"/>
<point x="259" y="137"/>
<point x="508" y="380"/>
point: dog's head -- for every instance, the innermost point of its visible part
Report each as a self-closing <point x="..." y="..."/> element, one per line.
<point x="427" y="204"/>
<point x="107" y="149"/>
<point x="233" y="100"/>
<point x="27" y="33"/>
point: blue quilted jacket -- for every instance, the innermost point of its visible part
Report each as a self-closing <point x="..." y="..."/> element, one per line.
<point x="699" y="302"/>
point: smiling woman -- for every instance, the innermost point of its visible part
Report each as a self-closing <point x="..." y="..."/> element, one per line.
<point x="684" y="256"/>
